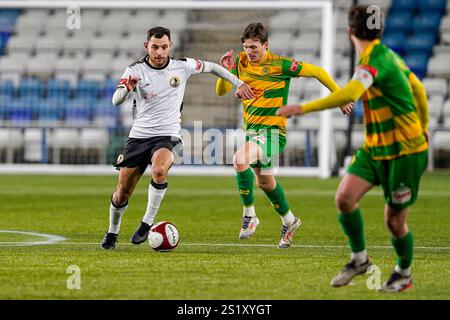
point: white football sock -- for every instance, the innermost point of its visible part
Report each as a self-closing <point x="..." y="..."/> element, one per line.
<point x="359" y="257"/>
<point x="403" y="272"/>
<point x="249" y="212"/>
<point x="115" y="217"/>
<point x="156" y="193"/>
<point x="288" y="219"/>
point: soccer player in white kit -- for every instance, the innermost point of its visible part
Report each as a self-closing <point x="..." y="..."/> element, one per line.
<point x="157" y="84"/>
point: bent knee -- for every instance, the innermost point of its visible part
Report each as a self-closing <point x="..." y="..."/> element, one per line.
<point x="344" y="202"/>
<point x="159" y="174"/>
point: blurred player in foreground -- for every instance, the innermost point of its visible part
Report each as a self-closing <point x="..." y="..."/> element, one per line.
<point x="395" y="149"/>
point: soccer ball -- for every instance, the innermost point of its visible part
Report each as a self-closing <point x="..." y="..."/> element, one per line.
<point x="163" y="236"/>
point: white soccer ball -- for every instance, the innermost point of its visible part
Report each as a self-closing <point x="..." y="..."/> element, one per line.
<point x="163" y="236"/>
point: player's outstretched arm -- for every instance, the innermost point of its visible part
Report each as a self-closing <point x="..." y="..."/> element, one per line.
<point x="122" y="90"/>
<point x="244" y="90"/>
<point x="310" y="70"/>
<point x="350" y="93"/>
<point x="421" y="98"/>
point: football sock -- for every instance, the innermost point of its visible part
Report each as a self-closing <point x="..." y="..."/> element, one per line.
<point x="115" y="216"/>
<point x="249" y="211"/>
<point x="359" y="257"/>
<point x="404" y="272"/>
<point x="278" y="200"/>
<point x="288" y="219"/>
<point x="245" y="184"/>
<point x="353" y="226"/>
<point x="404" y="248"/>
<point x="156" y="192"/>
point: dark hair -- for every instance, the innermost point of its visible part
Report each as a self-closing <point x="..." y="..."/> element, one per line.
<point x="158" y="32"/>
<point x="360" y="21"/>
<point x="255" y="30"/>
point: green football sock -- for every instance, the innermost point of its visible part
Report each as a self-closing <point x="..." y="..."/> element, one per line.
<point x="353" y="226"/>
<point x="278" y="200"/>
<point x="404" y="248"/>
<point x="245" y="184"/>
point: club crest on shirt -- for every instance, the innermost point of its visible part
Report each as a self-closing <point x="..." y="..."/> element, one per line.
<point x="266" y="69"/>
<point x="174" y="81"/>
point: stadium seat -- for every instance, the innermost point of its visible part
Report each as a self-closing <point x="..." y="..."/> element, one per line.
<point x="19" y="113"/>
<point x="439" y="66"/>
<point x="420" y="44"/>
<point x="51" y="110"/>
<point x="426" y="23"/>
<point x="435" y="104"/>
<point x="97" y="139"/>
<point x="445" y="24"/>
<point x="87" y="89"/>
<point x="105" y="114"/>
<point x="436" y="86"/>
<point x="63" y="138"/>
<point x="58" y="88"/>
<point x="48" y="44"/>
<point x="404" y="5"/>
<point x="441" y="140"/>
<point x="33" y="145"/>
<point x="31" y="87"/>
<point x="7" y="88"/>
<point x="11" y="139"/>
<point x="41" y="66"/>
<point x="432" y="5"/>
<point x="395" y="41"/>
<point x="418" y="64"/>
<point x="399" y="22"/>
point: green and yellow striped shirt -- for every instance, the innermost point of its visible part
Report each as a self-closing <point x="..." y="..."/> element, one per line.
<point x="269" y="80"/>
<point x="392" y="124"/>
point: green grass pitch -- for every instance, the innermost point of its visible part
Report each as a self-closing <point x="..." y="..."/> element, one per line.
<point x="210" y="262"/>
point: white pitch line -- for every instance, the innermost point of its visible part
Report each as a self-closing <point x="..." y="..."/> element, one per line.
<point x="258" y="245"/>
<point x="49" y="239"/>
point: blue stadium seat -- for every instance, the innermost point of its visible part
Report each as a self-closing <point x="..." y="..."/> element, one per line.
<point x="6" y="88"/>
<point x="59" y="88"/>
<point x="19" y="112"/>
<point x="420" y="44"/>
<point x="395" y="41"/>
<point x="87" y="89"/>
<point x="399" y="22"/>
<point x="105" y="113"/>
<point x="79" y="111"/>
<point x="404" y="5"/>
<point x="426" y="23"/>
<point x="50" y="110"/>
<point x="31" y="87"/>
<point x="418" y="64"/>
<point x="5" y="102"/>
<point x="432" y="5"/>
<point x="109" y="86"/>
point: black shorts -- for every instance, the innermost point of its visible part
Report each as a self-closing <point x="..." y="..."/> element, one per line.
<point x="139" y="152"/>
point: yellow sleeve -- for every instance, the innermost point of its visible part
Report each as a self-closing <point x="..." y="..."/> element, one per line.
<point x="222" y="86"/>
<point x="351" y="92"/>
<point x="420" y="96"/>
<point x="310" y="70"/>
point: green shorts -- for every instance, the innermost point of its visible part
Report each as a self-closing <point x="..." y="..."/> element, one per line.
<point x="398" y="177"/>
<point x="272" y="144"/>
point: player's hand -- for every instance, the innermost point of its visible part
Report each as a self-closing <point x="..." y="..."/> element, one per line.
<point x="290" y="110"/>
<point x="427" y="136"/>
<point x="244" y="92"/>
<point x="227" y="59"/>
<point x="347" y="108"/>
<point x="132" y="83"/>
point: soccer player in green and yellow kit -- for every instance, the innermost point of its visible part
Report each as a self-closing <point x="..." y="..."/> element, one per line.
<point x="269" y="76"/>
<point x="394" y="153"/>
